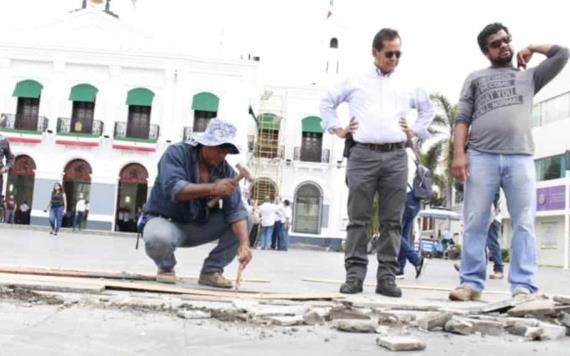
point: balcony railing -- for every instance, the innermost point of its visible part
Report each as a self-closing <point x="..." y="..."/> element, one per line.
<point x="121" y="132"/>
<point x="64" y="127"/>
<point x="8" y="122"/>
<point x="312" y="156"/>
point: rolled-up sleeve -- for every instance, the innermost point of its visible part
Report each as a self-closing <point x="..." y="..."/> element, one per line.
<point x="172" y="172"/>
<point x="422" y="103"/>
<point x="334" y="97"/>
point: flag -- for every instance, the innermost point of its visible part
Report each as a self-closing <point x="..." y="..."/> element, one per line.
<point x="329" y="13"/>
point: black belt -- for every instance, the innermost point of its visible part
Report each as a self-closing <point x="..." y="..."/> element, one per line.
<point x="383" y="147"/>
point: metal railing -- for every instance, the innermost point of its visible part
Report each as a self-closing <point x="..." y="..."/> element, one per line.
<point x="324" y="157"/>
<point x="8" y="121"/>
<point x="121" y="131"/>
<point x="187" y="133"/>
<point x="64" y="127"/>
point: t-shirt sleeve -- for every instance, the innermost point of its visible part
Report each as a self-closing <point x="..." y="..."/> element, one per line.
<point x="466" y="102"/>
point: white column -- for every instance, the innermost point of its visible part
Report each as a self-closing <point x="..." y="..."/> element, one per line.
<point x="567" y="222"/>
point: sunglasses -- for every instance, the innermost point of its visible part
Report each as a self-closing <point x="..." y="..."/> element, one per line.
<point x="498" y="43"/>
<point x="391" y="54"/>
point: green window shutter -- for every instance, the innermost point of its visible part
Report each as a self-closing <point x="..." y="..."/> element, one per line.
<point x="205" y="102"/>
<point x="268" y="122"/>
<point x="140" y="97"/>
<point x="312" y="124"/>
<point x="83" y="92"/>
<point x="28" y="89"/>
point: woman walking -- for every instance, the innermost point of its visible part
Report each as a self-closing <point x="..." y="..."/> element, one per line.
<point x="57" y="207"/>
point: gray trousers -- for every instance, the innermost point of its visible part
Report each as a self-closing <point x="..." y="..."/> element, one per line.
<point x="369" y="172"/>
<point x="163" y="236"/>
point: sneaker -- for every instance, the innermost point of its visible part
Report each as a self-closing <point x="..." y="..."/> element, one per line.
<point x="168" y="277"/>
<point x="464" y="294"/>
<point x="496" y="275"/>
<point x="215" y="279"/>
<point x="351" y="286"/>
<point x="419" y="267"/>
<point x="387" y="286"/>
<point x="520" y="292"/>
<point x="400" y="275"/>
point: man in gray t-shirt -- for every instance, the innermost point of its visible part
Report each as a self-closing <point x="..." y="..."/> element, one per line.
<point x="493" y="122"/>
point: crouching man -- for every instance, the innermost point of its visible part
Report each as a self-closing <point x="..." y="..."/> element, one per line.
<point x="189" y="174"/>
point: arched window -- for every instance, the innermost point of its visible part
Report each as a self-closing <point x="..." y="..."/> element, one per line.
<point x="131" y="198"/>
<point x="308" y="203"/>
<point x="262" y="189"/>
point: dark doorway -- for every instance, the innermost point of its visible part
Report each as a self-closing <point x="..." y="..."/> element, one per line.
<point x="76" y="184"/>
<point x="132" y="193"/>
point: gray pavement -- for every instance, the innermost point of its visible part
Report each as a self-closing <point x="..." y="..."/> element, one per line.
<point x="79" y="330"/>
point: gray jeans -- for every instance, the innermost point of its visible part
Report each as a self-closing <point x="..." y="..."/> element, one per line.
<point x="163" y="236"/>
<point x="369" y="172"/>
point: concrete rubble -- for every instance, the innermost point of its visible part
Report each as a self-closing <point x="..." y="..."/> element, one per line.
<point x="534" y="318"/>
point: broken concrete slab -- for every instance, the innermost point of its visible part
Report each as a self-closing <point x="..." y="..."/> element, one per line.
<point x="313" y="318"/>
<point x="552" y="332"/>
<point x="562" y="299"/>
<point x="355" y="326"/>
<point x="487" y="327"/>
<point x="433" y="320"/>
<point x="400" y="343"/>
<point x="343" y="312"/>
<point x="564" y="318"/>
<point x="503" y="305"/>
<point x="535" y="308"/>
<point x="285" y="320"/>
<point x="193" y="314"/>
<point x="459" y="326"/>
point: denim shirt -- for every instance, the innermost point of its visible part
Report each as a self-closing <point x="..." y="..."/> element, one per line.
<point x="179" y="167"/>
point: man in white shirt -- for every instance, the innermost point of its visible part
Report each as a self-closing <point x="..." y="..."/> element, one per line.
<point x="268" y="213"/>
<point x="276" y="237"/>
<point x="80" y="208"/>
<point x="288" y="219"/>
<point x="378" y="101"/>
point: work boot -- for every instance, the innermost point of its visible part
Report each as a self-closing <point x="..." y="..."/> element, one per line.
<point x="351" y="286"/>
<point x="215" y="279"/>
<point x="520" y="293"/>
<point x="387" y="286"/>
<point x="419" y="267"/>
<point x="168" y="277"/>
<point x="496" y="275"/>
<point x="464" y="294"/>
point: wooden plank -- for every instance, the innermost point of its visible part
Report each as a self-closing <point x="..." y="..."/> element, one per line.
<point x="160" y="288"/>
<point x="56" y="272"/>
<point x="403" y="286"/>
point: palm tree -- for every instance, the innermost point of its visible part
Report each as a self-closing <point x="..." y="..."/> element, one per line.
<point x="438" y="149"/>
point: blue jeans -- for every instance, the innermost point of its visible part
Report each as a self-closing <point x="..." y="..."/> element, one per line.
<point x="494" y="246"/>
<point x="284" y="239"/>
<point x="407" y="252"/>
<point x="55" y="216"/>
<point x="163" y="236"/>
<point x="78" y="221"/>
<point x="516" y="175"/>
<point x="266" y="234"/>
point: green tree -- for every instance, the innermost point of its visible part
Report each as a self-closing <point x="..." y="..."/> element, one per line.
<point x="438" y="149"/>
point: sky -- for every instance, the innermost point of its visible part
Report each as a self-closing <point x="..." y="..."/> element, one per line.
<point x="438" y="36"/>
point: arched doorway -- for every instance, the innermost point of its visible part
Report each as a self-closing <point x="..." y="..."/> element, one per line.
<point x="263" y="188"/>
<point x="132" y="193"/>
<point x="21" y="184"/>
<point x="308" y="202"/>
<point x="76" y="184"/>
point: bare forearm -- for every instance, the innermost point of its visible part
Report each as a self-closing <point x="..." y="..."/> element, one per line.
<point x="195" y="191"/>
<point x="459" y="139"/>
<point x="239" y="229"/>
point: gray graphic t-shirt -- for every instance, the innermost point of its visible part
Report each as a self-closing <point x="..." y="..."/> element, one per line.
<point x="496" y="103"/>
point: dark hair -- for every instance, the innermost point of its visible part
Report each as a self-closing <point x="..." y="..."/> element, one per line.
<point x="385" y="34"/>
<point x="488" y="31"/>
<point x="60" y="187"/>
<point x="286" y="202"/>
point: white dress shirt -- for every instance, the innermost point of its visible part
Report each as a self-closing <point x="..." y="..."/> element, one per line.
<point x="378" y="101"/>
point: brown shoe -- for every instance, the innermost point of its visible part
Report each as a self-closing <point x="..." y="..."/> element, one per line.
<point x="166" y="277"/>
<point x="464" y="294"/>
<point x="496" y="275"/>
<point x="520" y="293"/>
<point x="215" y="279"/>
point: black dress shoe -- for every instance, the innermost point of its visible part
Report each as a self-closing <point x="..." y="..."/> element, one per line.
<point x="388" y="287"/>
<point x="419" y="267"/>
<point x="351" y="287"/>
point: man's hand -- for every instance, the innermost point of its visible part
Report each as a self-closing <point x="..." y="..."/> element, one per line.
<point x="223" y="187"/>
<point x="407" y="130"/>
<point x="523" y="57"/>
<point x="244" y="255"/>
<point x="460" y="167"/>
<point x="3" y="170"/>
<point x="351" y="128"/>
